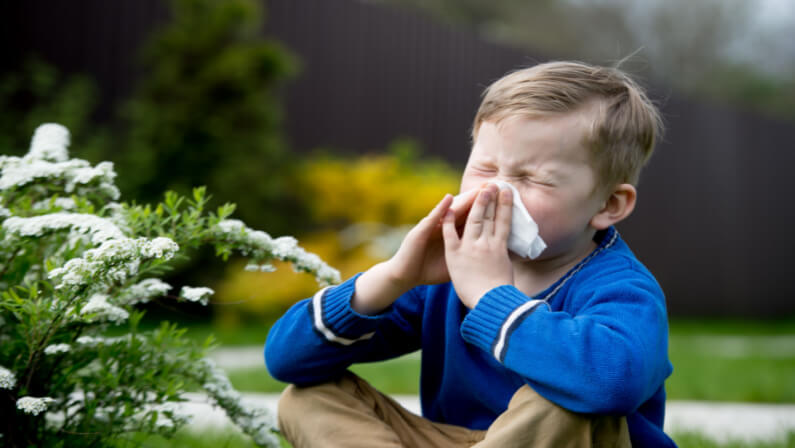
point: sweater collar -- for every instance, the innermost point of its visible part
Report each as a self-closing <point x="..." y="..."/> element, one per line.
<point x="604" y="239"/>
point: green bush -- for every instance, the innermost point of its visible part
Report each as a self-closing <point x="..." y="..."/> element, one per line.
<point x="76" y="263"/>
<point x="207" y="110"/>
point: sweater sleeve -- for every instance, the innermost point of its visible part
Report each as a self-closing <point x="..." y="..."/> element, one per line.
<point x="608" y="357"/>
<point x="318" y="338"/>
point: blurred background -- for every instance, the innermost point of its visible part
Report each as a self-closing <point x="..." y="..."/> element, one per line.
<point x="342" y="122"/>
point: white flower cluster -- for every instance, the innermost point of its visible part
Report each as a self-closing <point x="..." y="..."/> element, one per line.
<point x="201" y="294"/>
<point x="258" y="422"/>
<point x="48" y="159"/>
<point x="49" y="142"/>
<point x="19" y="172"/>
<point x="34" y="405"/>
<point x="4" y="212"/>
<point x="63" y="203"/>
<point x="284" y="247"/>
<point x="98" y="308"/>
<point x="160" y="247"/>
<point x="7" y="378"/>
<point x="143" y="291"/>
<point x="95" y="341"/>
<point x="260" y="245"/>
<point x="115" y="259"/>
<point x="96" y="228"/>
<point x="233" y="227"/>
<point x="56" y="349"/>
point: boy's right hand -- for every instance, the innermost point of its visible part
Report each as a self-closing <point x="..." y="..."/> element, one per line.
<point x="420" y="260"/>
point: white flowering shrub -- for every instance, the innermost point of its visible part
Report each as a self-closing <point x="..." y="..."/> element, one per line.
<point x="73" y="263"/>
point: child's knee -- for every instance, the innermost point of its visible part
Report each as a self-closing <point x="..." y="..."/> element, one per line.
<point x="296" y="403"/>
<point x="527" y="403"/>
<point x="532" y="420"/>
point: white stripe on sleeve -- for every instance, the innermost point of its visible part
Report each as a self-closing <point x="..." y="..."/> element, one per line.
<point x="516" y="314"/>
<point x="317" y="308"/>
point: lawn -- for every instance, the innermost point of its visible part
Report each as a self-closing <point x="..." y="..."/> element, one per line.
<point x="233" y="439"/>
<point x="749" y="361"/>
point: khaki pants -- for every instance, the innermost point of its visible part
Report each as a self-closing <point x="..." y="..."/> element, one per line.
<point x="350" y="413"/>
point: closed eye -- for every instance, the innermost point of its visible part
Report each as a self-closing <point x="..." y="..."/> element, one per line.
<point x="483" y="169"/>
<point x="537" y="181"/>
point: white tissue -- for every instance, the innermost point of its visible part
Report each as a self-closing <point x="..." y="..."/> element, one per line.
<point x="524" y="239"/>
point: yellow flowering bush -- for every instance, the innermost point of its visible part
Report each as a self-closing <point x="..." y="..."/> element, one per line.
<point x="362" y="207"/>
<point x="394" y="188"/>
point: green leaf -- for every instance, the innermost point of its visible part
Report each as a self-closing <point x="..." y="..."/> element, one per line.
<point x="199" y="193"/>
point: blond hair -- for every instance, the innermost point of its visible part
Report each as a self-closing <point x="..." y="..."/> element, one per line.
<point x="625" y="127"/>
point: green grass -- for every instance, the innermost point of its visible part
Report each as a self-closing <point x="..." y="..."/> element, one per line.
<point x="399" y="376"/>
<point x="784" y="326"/>
<point x="231" y="337"/>
<point x="705" y="370"/>
<point x="230" y="438"/>
<point x="396" y="376"/>
<point x="188" y="437"/>
<point x="729" y="360"/>
<point x="693" y="440"/>
<point x="234" y="439"/>
<point x="255" y="379"/>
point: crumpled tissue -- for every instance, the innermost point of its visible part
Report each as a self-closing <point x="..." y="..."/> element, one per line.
<point x="524" y="239"/>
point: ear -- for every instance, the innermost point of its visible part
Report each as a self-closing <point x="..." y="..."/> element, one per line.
<point x="618" y="205"/>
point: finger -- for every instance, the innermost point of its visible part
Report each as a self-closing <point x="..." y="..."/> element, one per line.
<point x="435" y="216"/>
<point x="474" y="223"/>
<point x="449" y="232"/>
<point x="441" y="208"/>
<point x="463" y="203"/>
<point x="504" y="215"/>
<point x="491" y="210"/>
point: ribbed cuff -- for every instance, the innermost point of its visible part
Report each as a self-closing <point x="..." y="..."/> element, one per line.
<point x="482" y="325"/>
<point x="340" y="318"/>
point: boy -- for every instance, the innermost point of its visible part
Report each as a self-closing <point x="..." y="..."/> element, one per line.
<point x="567" y="349"/>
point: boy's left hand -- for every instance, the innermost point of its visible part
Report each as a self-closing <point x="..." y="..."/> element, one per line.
<point x="478" y="260"/>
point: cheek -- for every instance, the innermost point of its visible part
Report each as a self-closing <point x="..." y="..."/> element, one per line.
<point x="546" y="213"/>
<point x="538" y="210"/>
<point x="534" y="201"/>
<point x="558" y="222"/>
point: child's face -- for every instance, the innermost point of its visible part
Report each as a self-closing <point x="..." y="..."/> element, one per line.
<point x="545" y="160"/>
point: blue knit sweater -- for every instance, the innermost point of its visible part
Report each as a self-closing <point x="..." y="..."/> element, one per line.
<point x="596" y="341"/>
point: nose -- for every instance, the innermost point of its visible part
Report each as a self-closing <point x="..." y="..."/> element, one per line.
<point x="501" y="182"/>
